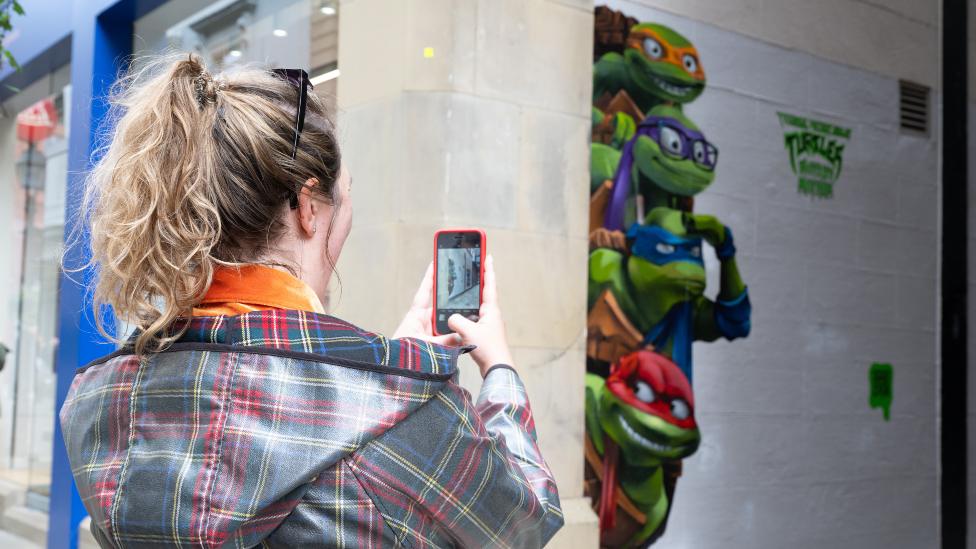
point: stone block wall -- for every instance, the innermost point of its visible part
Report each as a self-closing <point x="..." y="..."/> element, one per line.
<point x="492" y="131"/>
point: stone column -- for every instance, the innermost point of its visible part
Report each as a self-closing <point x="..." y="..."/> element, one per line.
<point x="477" y="113"/>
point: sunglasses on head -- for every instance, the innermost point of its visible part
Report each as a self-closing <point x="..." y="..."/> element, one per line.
<point x="299" y="79"/>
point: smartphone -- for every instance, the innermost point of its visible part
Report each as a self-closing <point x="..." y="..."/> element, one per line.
<point x="459" y="274"/>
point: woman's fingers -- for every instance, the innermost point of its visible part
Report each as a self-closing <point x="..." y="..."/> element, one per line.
<point x="459" y="324"/>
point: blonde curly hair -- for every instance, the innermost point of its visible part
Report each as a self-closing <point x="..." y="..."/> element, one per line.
<point x="195" y="172"/>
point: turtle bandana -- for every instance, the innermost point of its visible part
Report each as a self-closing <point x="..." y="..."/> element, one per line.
<point x="661" y="247"/>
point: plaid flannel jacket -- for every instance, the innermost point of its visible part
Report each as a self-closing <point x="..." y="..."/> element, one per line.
<point x="294" y="429"/>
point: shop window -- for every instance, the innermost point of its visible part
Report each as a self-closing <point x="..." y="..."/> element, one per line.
<point x="33" y="177"/>
<point x="301" y="34"/>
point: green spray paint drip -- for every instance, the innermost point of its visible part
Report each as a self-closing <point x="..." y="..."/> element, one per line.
<point x="881" y="379"/>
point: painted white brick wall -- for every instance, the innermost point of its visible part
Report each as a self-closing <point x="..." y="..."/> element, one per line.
<point x="792" y="456"/>
<point x="895" y="38"/>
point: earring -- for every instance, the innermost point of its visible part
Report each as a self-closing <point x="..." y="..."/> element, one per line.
<point x="314" y="228"/>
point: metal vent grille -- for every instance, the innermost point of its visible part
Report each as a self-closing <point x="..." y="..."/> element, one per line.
<point x="914" y="107"/>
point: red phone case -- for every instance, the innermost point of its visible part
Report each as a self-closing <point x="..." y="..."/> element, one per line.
<point x="481" y="275"/>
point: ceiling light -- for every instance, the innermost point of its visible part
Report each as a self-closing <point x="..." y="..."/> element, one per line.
<point x="280" y="33"/>
<point x="324" y="77"/>
<point x="327" y="7"/>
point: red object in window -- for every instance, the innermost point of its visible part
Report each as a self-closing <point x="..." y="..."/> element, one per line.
<point x="37" y="122"/>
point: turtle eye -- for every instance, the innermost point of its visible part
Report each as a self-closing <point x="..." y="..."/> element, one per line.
<point x="680" y="409"/>
<point x="698" y="150"/>
<point x="653" y="48"/>
<point x="643" y="392"/>
<point x="696" y="251"/>
<point x="691" y="64"/>
<point x="663" y="248"/>
<point x="671" y="141"/>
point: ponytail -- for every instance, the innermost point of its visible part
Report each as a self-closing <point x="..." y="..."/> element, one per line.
<point x="195" y="175"/>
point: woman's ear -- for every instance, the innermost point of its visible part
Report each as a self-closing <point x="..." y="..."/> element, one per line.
<point x="308" y="208"/>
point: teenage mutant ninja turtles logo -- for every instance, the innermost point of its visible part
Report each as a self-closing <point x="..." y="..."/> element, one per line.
<point x="816" y="153"/>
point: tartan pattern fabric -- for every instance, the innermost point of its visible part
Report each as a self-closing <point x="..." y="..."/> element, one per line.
<point x="288" y="428"/>
<point x="472" y="482"/>
<point x="335" y="512"/>
<point x="302" y="331"/>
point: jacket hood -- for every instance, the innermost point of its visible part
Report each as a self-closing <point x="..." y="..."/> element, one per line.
<point x="216" y="439"/>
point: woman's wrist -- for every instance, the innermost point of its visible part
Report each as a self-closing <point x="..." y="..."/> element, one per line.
<point x="499" y="366"/>
<point x="498" y="354"/>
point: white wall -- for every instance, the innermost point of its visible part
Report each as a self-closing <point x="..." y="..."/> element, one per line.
<point x="892" y="37"/>
<point x="791" y="455"/>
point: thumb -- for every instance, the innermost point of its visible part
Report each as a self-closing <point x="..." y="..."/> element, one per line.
<point x="460" y="325"/>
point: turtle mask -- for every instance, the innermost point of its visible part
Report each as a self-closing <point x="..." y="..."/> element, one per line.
<point x="664" y="63"/>
<point x="661" y="247"/>
<point x="648" y="409"/>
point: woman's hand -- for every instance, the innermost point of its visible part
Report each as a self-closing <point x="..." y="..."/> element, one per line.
<point x="417" y="322"/>
<point x="488" y="334"/>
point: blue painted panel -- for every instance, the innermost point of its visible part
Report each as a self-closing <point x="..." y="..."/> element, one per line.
<point x="101" y="39"/>
<point x="47" y="22"/>
<point x="78" y="340"/>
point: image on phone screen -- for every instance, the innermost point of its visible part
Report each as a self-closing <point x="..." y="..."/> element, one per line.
<point x="458" y="275"/>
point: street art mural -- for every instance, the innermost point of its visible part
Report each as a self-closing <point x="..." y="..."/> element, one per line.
<point x="816" y="151"/>
<point x="647" y="278"/>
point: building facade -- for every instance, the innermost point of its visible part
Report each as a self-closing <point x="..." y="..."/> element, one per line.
<point x="479" y="113"/>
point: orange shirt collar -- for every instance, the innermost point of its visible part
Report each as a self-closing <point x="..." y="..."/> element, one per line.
<point x="257" y="287"/>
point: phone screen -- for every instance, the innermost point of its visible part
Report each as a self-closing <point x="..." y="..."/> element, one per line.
<point x="458" y="276"/>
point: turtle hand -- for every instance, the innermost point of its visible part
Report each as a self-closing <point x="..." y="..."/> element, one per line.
<point x="604" y="238"/>
<point x="706" y="226"/>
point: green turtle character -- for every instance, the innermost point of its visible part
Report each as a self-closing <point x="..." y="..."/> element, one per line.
<point x="646" y="287"/>
<point x="659" y="286"/>
<point x="658" y="65"/>
<point x="603" y="164"/>
<point x="622" y="124"/>
<point x="637" y="419"/>
<point x="666" y="162"/>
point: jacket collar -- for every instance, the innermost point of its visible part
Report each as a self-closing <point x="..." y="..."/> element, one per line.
<point x="257" y="287"/>
<point x="294" y="331"/>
